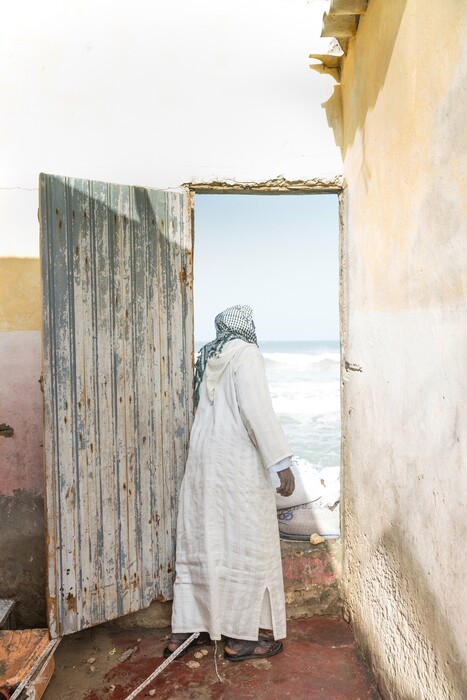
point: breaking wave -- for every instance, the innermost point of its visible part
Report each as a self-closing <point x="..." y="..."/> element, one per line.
<point x="305" y="389"/>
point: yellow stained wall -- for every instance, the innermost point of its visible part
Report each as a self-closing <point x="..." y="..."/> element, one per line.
<point x="404" y="92"/>
<point x="404" y="101"/>
<point x="20" y="294"/>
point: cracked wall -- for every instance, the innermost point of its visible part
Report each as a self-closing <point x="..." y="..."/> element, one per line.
<point x="404" y="93"/>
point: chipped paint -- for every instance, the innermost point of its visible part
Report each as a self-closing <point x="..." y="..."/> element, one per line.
<point x="118" y="349"/>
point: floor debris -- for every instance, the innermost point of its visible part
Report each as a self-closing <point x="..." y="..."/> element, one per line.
<point x="309" y="668"/>
<point x="126" y="654"/>
<point x="316" y="539"/>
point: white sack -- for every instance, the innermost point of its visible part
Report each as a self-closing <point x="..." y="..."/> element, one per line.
<point x="302" y="521"/>
<point x="331" y="481"/>
<point x="299" y="520"/>
<point x="308" y="484"/>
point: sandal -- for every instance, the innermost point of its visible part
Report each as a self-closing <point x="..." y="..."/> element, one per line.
<point x="203" y="640"/>
<point x="247" y="650"/>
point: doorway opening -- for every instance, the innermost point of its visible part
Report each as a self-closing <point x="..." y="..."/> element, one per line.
<point x="279" y="253"/>
<point x="118" y="345"/>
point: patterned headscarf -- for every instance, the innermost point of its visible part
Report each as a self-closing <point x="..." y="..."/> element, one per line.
<point x="234" y="322"/>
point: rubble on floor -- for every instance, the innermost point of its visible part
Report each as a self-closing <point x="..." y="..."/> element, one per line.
<point x="320" y="661"/>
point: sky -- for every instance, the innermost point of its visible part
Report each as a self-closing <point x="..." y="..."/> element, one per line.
<point x="277" y="253"/>
<point x="192" y="92"/>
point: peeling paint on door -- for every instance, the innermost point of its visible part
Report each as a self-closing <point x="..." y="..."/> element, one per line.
<point x="118" y="350"/>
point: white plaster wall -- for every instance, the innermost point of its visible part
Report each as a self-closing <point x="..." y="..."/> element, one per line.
<point x="157" y="93"/>
<point x="404" y="88"/>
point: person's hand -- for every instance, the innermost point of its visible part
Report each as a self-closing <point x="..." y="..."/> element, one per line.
<point x="287" y="480"/>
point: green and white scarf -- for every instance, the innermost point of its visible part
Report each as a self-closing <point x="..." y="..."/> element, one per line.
<point x="234" y="322"/>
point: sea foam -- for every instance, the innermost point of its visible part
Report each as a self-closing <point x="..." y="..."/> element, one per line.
<point x="305" y="390"/>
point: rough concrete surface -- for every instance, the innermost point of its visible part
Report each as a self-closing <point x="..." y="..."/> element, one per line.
<point x="157" y="615"/>
<point x="319" y="662"/>
<point x="22" y="547"/>
<point x="311" y="578"/>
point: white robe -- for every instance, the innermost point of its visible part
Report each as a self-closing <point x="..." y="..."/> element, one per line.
<point x="228" y="560"/>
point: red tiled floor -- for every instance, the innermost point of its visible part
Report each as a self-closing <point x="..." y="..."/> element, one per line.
<point x="319" y="662"/>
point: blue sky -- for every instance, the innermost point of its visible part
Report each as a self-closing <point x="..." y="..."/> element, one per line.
<point x="277" y="253"/>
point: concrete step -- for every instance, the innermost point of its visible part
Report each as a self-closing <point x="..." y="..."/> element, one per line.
<point x="311" y="578"/>
<point x="311" y="582"/>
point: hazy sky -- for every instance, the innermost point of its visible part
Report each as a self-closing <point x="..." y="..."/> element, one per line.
<point x="277" y="253"/>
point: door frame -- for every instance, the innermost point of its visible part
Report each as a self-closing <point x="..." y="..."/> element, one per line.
<point x="333" y="185"/>
<point x="282" y="186"/>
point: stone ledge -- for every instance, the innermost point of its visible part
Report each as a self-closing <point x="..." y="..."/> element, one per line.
<point x="156" y="616"/>
<point x="311" y="578"/>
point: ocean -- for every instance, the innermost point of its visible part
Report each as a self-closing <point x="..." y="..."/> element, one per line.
<point x="304" y="382"/>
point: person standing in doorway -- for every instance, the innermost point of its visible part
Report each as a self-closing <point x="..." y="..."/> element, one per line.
<point x="228" y="561"/>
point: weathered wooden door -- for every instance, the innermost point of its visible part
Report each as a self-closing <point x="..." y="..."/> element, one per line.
<point x="118" y="350"/>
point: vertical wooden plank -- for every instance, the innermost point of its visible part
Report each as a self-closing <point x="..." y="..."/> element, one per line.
<point x="78" y="254"/>
<point x="88" y="209"/>
<point x="117" y="381"/>
<point x="164" y="427"/>
<point x="119" y="204"/>
<point x="59" y="391"/>
<point x="169" y="377"/>
<point x="143" y="360"/>
<point x="155" y="384"/>
<point x="126" y="308"/>
<point x="50" y="438"/>
<point x="176" y="294"/>
<point x="106" y="231"/>
<point x="100" y="445"/>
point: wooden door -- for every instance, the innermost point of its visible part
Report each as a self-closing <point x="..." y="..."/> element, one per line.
<point x="118" y="354"/>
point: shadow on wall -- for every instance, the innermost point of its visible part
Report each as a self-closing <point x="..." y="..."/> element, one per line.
<point x="410" y="644"/>
<point x="333" y="109"/>
<point x="385" y="19"/>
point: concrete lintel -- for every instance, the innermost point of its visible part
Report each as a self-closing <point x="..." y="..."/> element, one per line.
<point x="275" y="186"/>
<point x="339" y="26"/>
<point x="348" y="7"/>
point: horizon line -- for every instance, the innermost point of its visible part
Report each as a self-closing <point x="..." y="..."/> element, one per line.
<point x="287" y="340"/>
